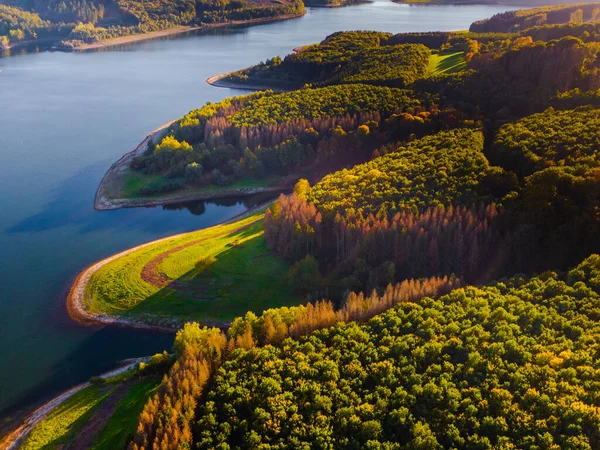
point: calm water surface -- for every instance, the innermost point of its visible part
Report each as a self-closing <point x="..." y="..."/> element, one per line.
<point x="64" y="118"/>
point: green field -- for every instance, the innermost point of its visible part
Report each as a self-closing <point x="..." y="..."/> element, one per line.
<point x="215" y="274"/>
<point x="120" y="428"/>
<point x="134" y="181"/>
<point x="66" y="422"/>
<point x="62" y="424"/>
<point x="441" y="63"/>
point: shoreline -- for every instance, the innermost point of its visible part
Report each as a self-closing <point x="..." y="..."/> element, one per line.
<point x="123" y="40"/>
<point x="104" y="202"/>
<point x="217" y="81"/>
<point x="15" y="438"/>
<point x="76" y="299"/>
<point x="101" y="202"/>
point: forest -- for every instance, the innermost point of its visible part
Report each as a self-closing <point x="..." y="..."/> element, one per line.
<point x="73" y="23"/>
<point x="267" y="133"/>
<point x="344" y="57"/>
<point x="444" y="234"/>
<point x="415" y="345"/>
<point x="512" y="365"/>
<point x="522" y="19"/>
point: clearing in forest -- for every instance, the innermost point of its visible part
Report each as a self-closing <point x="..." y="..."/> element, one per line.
<point x="441" y="63"/>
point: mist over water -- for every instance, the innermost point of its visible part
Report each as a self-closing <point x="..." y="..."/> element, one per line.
<point x="64" y="118"/>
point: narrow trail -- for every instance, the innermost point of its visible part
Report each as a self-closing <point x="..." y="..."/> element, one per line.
<point x="14" y="440"/>
<point x="86" y="436"/>
<point x="150" y="273"/>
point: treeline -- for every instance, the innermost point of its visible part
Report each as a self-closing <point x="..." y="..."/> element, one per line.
<point x="587" y="32"/>
<point x="343" y="57"/>
<point x="365" y="252"/>
<point x="520" y="81"/>
<point x="168" y="420"/>
<point x="375" y="223"/>
<point x="565" y="139"/>
<point x="276" y="134"/>
<point x="237" y="10"/>
<point x="18" y="25"/>
<point x="69" y="11"/>
<point x="510" y="365"/>
<point x="555" y="154"/>
<point x="523" y="19"/>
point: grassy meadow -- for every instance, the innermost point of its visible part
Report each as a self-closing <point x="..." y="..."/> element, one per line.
<point x="63" y="424"/>
<point x="66" y="423"/>
<point x="441" y="63"/>
<point x="134" y="181"/>
<point x="214" y="274"/>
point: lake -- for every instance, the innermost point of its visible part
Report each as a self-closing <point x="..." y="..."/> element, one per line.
<point x="64" y="118"/>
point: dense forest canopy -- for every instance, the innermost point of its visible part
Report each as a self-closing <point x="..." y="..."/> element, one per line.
<point x="344" y="57"/>
<point x="566" y="139"/>
<point x="443" y="169"/>
<point x="266" y="133"/>
<point x="512" y="365"/>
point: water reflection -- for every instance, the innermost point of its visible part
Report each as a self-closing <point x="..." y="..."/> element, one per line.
<point x="72" y="206"/>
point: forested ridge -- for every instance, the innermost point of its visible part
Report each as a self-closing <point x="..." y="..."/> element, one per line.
<point x="445" y="234"/>
<point x="522" y="19"/>
<point x="344" y="57"/>
<point x="267" y="133"/>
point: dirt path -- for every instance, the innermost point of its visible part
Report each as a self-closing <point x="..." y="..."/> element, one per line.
<point x="86" y="436"/>
<point x="16" y="438"/>
<point x="160" y="280"/>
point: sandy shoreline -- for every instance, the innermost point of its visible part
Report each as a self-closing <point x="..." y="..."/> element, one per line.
<point x="176" y="30"/>
<point x="77" y="301"/>
<point x="14" y="439"/>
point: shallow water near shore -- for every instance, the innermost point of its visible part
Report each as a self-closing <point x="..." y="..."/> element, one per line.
<point x="64" y="119"/>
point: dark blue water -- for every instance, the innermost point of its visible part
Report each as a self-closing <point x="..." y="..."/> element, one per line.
<point x="64" y="118"/>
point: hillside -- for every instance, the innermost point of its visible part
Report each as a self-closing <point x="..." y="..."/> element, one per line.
<point x="260" y="142"/>
<point x="514" y="21"/>
<point x="344" y="57"/>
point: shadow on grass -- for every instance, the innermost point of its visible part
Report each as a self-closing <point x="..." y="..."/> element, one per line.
<point x="451" y="63"/>
<point x="243" y="276"/>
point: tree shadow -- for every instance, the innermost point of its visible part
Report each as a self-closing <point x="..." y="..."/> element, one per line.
<point x="452" y="64"/>
<point x="243" y="276"/>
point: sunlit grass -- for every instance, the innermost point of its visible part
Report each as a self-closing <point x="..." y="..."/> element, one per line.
<point x="442" y="63"/>
<point x="238" y="274"/>
<point x="121" y="427"/>
<point x="62" y="424"/>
